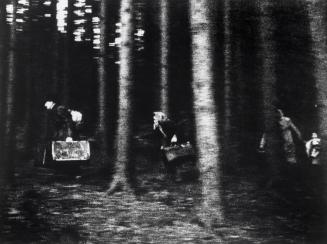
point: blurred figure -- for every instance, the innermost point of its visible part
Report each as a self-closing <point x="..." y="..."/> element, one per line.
<point x="287" y="128"/>
<point x="313" y="147"/>
<point x="64" y="120"/>
<point x="174" y="147"/>
<point x="170" y="131"/>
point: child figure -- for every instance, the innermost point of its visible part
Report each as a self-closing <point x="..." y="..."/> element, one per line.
<point x="313" y="147"/>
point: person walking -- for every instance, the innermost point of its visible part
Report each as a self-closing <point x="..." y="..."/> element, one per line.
<point x="287" y="129"/>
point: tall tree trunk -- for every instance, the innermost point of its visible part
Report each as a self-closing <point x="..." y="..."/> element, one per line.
<point x="102" y="79"/>
<point x="2" y="70"/>
<point x="319" y="37"/>
<point x="269" y="91"/>
<point x="205" y="112"/>
<point x="9" y="123"/>
<point x="67" y="57"/>
<point x="123" y="133"/>
<point x="3" y="80"/>
<point x="228" y="96"/>
<point x="164" y="47"/>
<point x="55" y="51"/>
<point x="317" y="17"/>
<point x="28" y="87"/>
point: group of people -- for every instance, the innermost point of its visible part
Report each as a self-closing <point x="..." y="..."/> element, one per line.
<point x="287" y="130"/>
<point x="67" y="123"/>
<point x="171" y="134"/>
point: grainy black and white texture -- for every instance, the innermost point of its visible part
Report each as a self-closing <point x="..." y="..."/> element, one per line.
<point x="218" y="68"/>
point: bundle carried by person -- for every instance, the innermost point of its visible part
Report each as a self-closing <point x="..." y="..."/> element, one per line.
<point x="70" y="150"/>
<point x="175" y="151"/>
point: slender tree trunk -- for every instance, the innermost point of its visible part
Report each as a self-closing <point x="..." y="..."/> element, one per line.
<point x="28" y="88"/>
<point x="123" y="133"/>
<point x="205" y="112"/>
<point x="102" y="79"/>
<point x="317" y="17"/>
<point x="11" y="71"/>
<point x="67" y="57"/>
<point x="319" y="36"/>
<point x="9" y="124"/>
<point x="164" y="47"/>
<point x="3" y="79"/>
<point x="55" y="51"/>
<point x="2" y="69"/>
<point x="228" y="96"/>
<point x="233" y="83"/>
<point x="269" y="91"/>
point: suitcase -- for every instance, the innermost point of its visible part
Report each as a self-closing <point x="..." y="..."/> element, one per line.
<point x="174" y="152"/>
<point x="70" y="151"/>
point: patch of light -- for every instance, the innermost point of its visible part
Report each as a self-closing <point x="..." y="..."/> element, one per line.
<point x="77" y="38"/>
<point x="96" y="42"/>
<point x="47" y="3"/>
<point x="116" y="43"/>
<point x="139" y="33"/>
<point x="10" y="13"/>
<point x="22" y="8"/>
<point x="62" y="6"/>
<point x="10" y="8"/>
<point x="79" y="13"/>
<point x="95" y="20"/>
<point x="96" y="31"/>
<point x="88" y="9"/>
<point x="24" y="2"/>
<point x="80" y="4"/>
<point x="20" y="11"/>
<point x="80" y="20"/>
<point x="117" y="40"/>
<point x="139" y="25"/>
<point x="78" y="33"/>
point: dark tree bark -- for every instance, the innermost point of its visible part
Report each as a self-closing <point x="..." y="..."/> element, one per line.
<point x="55" y="51"/>
<point x="269" y="93"/>
<point x="317" y="19"/>
<point x="102" y="80"/>
<point x="67" y="62"/>
<point x="2" y="70"/>
<point x="228" y="93"/>
<point x="28" y="88"/>
<point x="9" y="108"/>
